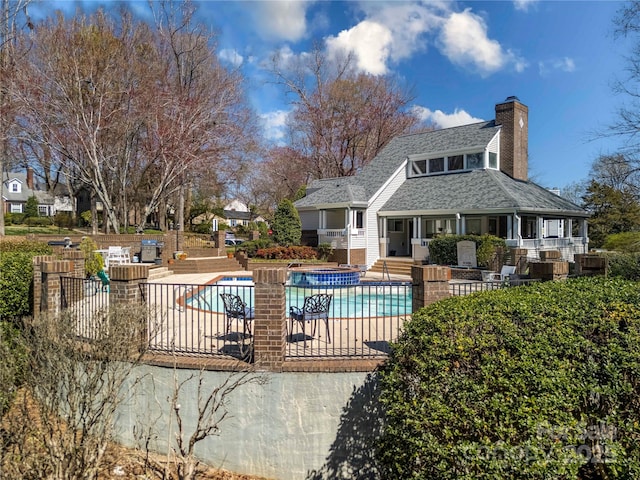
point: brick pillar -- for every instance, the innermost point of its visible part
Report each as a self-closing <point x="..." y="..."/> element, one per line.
<point x="77" y="257"/>
<point x="518" y="257"/>
<point x="254" y="235"/>
<point x="124" y="289"/>
<point x="37" y="282"/>
<point x="50" y="296"/>
<point x="270" y="322"/>
<point x="430" y="284"/>
<point x="549" y="270"/>
<point x="219" y="237"/>
<point x="125" y="280"/>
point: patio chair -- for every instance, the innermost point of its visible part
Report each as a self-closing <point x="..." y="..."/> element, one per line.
<point x="118" y="256"/>
<point x="505" y="272"/>
<point x="315" y="307"/>
<point x="236" y="309"/>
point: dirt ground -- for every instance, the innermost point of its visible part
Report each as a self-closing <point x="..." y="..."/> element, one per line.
<point x="124" y="464"/>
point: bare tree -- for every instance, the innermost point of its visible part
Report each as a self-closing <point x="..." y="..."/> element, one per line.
<point x="211" y="410"/>
<point x="72" y="392"/>
<point x="131" y="112"/>
<point x="341" y="118"/>
<point x="13" y="14"/>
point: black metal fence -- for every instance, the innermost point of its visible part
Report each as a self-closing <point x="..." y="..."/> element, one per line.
<point x="87" y="300"/>
<point x="191" y="319"/>
<point x="362" y="320"/>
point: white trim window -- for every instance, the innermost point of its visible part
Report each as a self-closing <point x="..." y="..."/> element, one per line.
<point x="460" y="162"/>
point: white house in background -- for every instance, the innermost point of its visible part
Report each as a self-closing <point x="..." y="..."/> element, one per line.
<point x="237" y="213"/>
<point x="18" y="187"/>
<point x="467" y="179"/>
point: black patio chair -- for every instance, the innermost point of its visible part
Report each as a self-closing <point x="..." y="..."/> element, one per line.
<point x="236" y="309"/>
<point x="315" y="307"/>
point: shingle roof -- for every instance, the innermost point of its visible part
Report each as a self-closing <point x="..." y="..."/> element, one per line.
<point x="454" y="192"/>
<point x="475" y="190"/>
<point x="366" y="183"/>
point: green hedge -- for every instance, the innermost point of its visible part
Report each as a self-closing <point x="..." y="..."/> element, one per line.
<point x="625" y="265"/>
<point x="16" y="276"/>
<point x="13" y="353"/>
<point x="530" y="383"/>
<point x="444" y="250"/>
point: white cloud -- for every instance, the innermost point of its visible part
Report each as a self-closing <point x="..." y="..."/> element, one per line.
<point x="274" y="124"/>
<point x="231" y="56"/>
<point x="523" y="5"/>
<point x="465" y="42"/>
<point x="444" y="120"/>
<point x="281" y="19"/>
<point x="564" y="64"/>
<point x="391" y="32"/>
<point x="368" y="41"/>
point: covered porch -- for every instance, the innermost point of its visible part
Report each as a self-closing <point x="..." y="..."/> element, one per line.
<point x="409" y="236"/>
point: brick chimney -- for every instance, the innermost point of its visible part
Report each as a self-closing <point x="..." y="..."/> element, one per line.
<point x="30" y="178"/>
<point x="514" y="137"/>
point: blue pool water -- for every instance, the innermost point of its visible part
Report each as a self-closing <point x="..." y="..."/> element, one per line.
<point x="368" y="299"/>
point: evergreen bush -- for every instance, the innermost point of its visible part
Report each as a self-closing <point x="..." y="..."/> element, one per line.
<point x="16" y="276"/>
<point x="533" y="382"/>
<point x="444" y="250"/>
<point x="286" y="226"/>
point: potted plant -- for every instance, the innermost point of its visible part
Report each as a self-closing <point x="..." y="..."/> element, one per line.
<point x="93" y="261"/>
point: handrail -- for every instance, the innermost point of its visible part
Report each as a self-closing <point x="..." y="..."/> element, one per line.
<point x="385" y="268"/>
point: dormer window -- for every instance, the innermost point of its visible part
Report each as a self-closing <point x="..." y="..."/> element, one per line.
<point x="15" y="187"/>
<point x="436" y="165"/>
<point x="475" y="160"/>
<point x="419" y="167"/>
<point x="455" y="162"/>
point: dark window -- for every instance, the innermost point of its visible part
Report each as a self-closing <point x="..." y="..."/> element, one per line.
<point x="456" y="162"/>
<point x="359" y="220"/>
<point x="436" y="165"/>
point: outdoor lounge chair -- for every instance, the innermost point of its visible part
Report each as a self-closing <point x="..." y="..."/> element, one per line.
<point x="315" y="307"/>
<point x="505" y="272"/>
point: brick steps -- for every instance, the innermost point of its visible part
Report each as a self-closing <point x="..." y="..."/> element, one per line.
<point x="159" y="272"/>
<point x="395" y="266"/>
<point x="205" y="265"/>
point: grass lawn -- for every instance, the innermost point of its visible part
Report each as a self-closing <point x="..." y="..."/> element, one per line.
<point x="40" y="230"/>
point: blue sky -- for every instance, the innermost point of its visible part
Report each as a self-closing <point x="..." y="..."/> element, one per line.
<point x="460" y="59"/>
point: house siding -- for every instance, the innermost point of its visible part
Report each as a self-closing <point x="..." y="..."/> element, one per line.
<point x="375" y="204"/>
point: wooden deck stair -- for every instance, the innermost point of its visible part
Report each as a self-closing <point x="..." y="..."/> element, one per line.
<point x="395" y="265"/>
<point x="205" y="265"/>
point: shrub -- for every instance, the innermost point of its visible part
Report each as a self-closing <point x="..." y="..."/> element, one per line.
<point x="287" y="253"/>
<point x="252" y="246"/>
<point x="625" y="265"/>
<point x="93" y="261"/>
<point x="624" y="242"/>
<point x="533" y="382"/>
<point x="39" y="221"/>
<point x="444" y="250"/>
<point x="286" y="226"/>
<point x="16" y="276"/>
<point x="324" y="250"/>
<point x="14" y="360"/>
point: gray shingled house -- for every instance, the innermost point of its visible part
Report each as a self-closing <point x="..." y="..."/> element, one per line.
<point x="18" y="187"/>
<point x="467" y="179"/>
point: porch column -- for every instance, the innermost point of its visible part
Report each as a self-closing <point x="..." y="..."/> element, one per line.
<point x="568" y="231"/>
<point x="462" y="224"/>
<point x="540" y="232"/>
<point x="510" y="233"/>
<point x="584" y="230"/>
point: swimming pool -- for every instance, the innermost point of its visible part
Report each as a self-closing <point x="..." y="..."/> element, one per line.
<point x="368" y="299"/>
